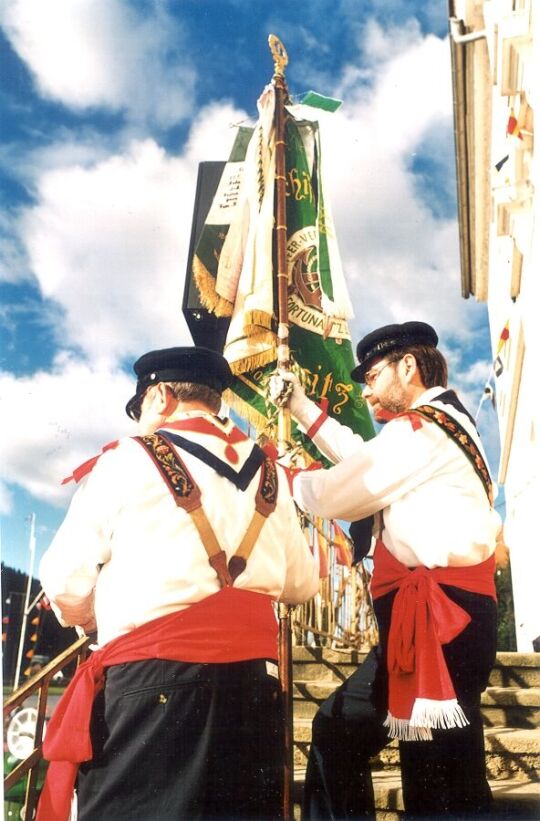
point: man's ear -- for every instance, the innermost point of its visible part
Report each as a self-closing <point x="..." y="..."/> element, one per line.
<point x="166" y="401"/>
<point x="409" y="366"/>
<point x="160" y="396"/>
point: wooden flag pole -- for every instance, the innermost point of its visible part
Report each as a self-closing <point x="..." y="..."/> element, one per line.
<point x="282" y="276"/>
<point x="280" y="58"/>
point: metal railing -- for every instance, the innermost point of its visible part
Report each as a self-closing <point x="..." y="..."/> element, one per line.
<point x="341" y="614"/>
<point x="38" y="684"/>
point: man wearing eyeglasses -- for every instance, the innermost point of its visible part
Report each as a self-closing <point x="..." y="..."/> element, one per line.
<point x="425" y="479"/>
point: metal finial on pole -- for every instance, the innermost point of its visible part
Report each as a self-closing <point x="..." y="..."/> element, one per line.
<point x="279" y="54"/>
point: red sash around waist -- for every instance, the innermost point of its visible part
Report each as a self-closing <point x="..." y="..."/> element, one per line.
<point x="421" y="694"/>
<point x="231" y="625"/>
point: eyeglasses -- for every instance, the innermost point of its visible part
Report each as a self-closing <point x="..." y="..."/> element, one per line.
<point x="372" y="376"/>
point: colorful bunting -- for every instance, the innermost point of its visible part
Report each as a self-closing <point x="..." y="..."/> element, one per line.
<point x="342" y="547"/>
<point x="512" y="127"/>
<point x="489" y="393"/>
<point x="498" y="364"/>
<point x="505" y="333"/>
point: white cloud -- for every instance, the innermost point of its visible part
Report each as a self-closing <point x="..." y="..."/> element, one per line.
<point x="109" y="244"/>
<point x="107" y="240"/>
<point x="401" y="260"/>
<point x="6" y="499"/>
<point x="101" y="53"/>
<point x="61" y="419"/>
<point x="213" y="132"/>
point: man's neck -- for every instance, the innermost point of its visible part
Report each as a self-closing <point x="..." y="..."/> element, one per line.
<point x="414" y="393"/>
<point x="191" y="405"/>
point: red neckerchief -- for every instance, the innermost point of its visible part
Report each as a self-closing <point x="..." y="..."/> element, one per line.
<point x="231" y="625"/>
<point x="421" y="695"/>
<point x="199" y="424"/>
<point x="80" y="472"/>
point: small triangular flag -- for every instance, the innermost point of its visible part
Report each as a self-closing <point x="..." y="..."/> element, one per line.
<point x="505" y="334"/>
<point x="316" y="100"/>
<point x="512" y="127"/>
<point x="489" y="393"/>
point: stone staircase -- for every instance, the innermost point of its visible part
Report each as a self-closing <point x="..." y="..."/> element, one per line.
<point x="511" y="710"/>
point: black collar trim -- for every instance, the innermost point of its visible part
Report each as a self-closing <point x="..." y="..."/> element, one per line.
<point x="241" y="479"/>
<point x="450" y="397"/>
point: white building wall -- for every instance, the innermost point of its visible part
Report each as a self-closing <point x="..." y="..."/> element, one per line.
<point x="514" y="293"/>
<point x="508" y="276"/>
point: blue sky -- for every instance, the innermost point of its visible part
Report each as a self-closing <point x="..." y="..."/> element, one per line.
<point x="107" y="108"/>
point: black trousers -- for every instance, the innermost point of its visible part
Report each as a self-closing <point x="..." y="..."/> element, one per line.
<point x="442" y="778"/>
<point x="185" y="741"/>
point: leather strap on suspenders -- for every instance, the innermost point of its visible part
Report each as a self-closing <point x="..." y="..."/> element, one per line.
<point x="187" y="495"/>
<point x="462" y="439"/>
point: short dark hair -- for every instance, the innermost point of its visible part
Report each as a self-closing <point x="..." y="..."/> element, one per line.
<point x="431" y="364"/>
<point x="190" y="391"/>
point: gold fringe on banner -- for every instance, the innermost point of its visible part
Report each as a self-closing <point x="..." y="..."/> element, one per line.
<point x="256" y="360"/>
<point x="256" y="322"/>
<point x="206" y="285"/>
<point x="253" y="417"/>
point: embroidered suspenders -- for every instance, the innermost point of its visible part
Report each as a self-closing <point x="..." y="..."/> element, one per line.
<point x="462" y="439"/>
<point x="187" y="495"/>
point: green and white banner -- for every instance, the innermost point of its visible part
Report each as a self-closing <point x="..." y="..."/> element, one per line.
<point x="233" y="269"/>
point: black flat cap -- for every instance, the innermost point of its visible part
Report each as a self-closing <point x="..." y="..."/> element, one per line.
<point x="390" y="338"/>
<point x="193" y="364"/>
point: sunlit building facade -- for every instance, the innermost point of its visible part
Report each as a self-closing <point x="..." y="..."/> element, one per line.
<point x="496" y="84"/>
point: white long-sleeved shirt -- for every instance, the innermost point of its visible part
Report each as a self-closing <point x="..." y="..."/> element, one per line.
<point x="128" y="551"/>
<point x="434" y="508"/>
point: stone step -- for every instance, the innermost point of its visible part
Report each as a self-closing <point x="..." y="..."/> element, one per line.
<point x="511" y="707"/>
<point x="516" y="670"/>
<point x="501" y="706"/>
<point x="312" y="663"/>
<point x="510" y="753"/>
<point x="513" y="799"/>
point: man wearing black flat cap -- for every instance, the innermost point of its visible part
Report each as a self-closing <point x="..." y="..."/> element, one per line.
<point x="176" y="545"/>
<point x="425" y="479"/>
